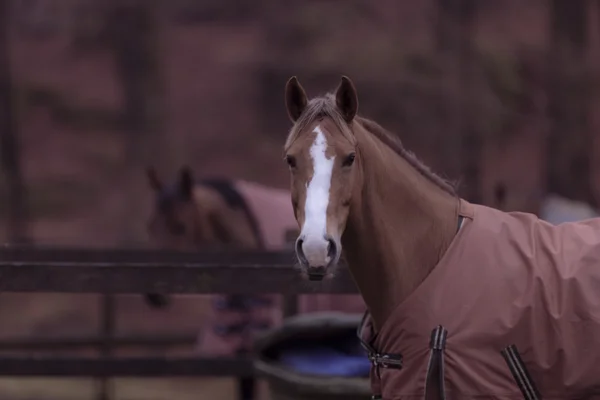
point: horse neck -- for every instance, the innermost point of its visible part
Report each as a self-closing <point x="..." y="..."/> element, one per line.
<point x="399" y="226"/>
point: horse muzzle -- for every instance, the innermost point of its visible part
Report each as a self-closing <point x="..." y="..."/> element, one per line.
<point x="316" y="256"/>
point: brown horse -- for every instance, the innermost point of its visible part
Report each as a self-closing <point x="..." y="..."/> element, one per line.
<point x="226" y="214"/>
<point x="464" y="300"/>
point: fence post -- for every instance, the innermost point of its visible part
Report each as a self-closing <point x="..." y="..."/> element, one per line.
<point x="459" y="145"/>
<point x="569" y="141"/>
<point x="107" y="333"/>
<point x="471" y="139"/>
<point x="133" y="40"/>
<point x="11" y="153"/>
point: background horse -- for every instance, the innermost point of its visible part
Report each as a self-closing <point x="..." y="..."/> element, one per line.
<point x="465" y="301"/>
<point x="232" y="214"/>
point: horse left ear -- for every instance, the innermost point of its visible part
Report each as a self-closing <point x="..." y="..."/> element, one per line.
<point x="186" y="182"/>
<point x="295" y="98"/>
<point x="346" y="99"/>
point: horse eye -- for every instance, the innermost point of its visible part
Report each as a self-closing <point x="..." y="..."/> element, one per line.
<point x="291" y="160"/>
<point x="349" y="160"/>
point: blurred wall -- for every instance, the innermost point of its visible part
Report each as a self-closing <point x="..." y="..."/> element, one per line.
<point x="104" y="88"/>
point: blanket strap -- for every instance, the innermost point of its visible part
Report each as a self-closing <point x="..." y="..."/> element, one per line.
<point x="435" y="387"/>
<point x="520" y="373"/>
<point x="392" y="361"/>
<point x="379" y="360"/>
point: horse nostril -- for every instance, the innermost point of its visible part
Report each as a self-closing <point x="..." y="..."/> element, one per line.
<point x="300" y="251"/>
<point x="331" y="248"/>
<point x="299" y="243"/>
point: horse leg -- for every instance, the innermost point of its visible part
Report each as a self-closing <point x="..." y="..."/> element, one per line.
<point x="246" y="384"/>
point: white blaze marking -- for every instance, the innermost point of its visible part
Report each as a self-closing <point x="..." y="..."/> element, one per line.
<point x="317" y="197"/>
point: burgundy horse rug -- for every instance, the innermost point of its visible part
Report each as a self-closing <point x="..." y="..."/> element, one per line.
<point x="511" y="311"/>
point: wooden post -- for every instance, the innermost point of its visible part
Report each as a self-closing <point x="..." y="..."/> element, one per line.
<point x="500" y="196"/>
<point x="107" y="333"/>
<point x="18" y="216"/>
<point x="460" y="146"/>
<point x="447" y="112"/>
<point x="133" y="39"/>
<point x="471" y="140"/>
<point x="569" y="138"/>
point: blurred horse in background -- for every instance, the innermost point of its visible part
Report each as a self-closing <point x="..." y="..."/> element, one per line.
<point x="232" y="214"/>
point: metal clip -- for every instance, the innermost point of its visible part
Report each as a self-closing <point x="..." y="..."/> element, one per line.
<point x="387" y="360"/>
<point x="392" y="361"/>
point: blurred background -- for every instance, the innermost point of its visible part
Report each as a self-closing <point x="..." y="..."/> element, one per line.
<point x="500" y="95"/>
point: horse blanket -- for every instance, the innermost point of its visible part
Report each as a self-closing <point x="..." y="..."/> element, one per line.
<point x="272" y="210"/>
<point x="511" y="311"/>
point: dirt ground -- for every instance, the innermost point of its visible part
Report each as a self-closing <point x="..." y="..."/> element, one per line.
<point x="124" y="389"/>
<point x="60" y="316"/>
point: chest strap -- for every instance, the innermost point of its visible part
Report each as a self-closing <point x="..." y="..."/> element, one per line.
<point x="379" y="360"/>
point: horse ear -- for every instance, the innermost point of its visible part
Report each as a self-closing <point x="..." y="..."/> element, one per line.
<point x="295" y="98"/>
<point x="186" y="182"/>
<point x="153" y="180"/>
<point x="346" y="99"/>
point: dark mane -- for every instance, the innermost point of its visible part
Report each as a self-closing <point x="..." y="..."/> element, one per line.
<point x="171" y="194"/>
<point x="225" y="188"/>
<point x="325" y="107"/>
<point x="235" y="200"/>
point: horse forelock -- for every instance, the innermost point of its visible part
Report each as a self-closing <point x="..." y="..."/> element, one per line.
<point x="318" y="108"/>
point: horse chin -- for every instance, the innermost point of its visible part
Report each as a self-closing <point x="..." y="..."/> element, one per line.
<point x="318" y="276"/>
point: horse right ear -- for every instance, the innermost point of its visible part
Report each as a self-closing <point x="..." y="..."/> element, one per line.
<point x="153" y="180"/>
<point x="186" y="182"/>
<point x="346" y="99"/>
<point x="295" y="98"/>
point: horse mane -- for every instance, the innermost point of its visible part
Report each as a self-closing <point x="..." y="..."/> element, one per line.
<point x="393" y="142"/>
<point x="325" y="106"/>
<point x="167" y="198"/>
<point x="235" y="200"/>
<point x="224" y="187"/>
